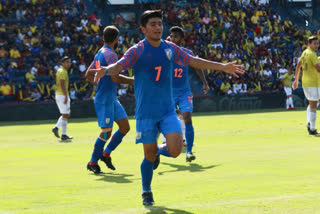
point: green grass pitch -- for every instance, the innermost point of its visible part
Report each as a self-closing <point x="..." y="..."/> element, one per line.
<point x="247" y="163"/>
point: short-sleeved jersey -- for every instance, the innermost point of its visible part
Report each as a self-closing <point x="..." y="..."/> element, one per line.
<point x="153" y="72"/>
<point x="62" y="74"/>
<point x="310" y="75"/>
<point x="287" y="79"/>
<point x="106" y="91"/>
<point x="180" y="82"/>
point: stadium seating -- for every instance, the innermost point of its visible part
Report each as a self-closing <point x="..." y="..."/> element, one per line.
<point x="38" y="44"/>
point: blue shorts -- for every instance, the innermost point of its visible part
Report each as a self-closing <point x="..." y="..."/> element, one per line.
<point x="107" y="113"/>
<point x="184" y="102"/>
<point x="148" y="129"/>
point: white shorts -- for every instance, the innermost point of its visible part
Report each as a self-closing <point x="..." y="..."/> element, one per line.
<point x="288" y="91"/>
<point x="63" y="108"/>
<point x="312" y="93"/>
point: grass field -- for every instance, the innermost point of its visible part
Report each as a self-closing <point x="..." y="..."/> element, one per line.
<point x="247" y="163"/>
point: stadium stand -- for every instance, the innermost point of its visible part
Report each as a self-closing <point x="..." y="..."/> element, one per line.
<point x="35" y="34"/>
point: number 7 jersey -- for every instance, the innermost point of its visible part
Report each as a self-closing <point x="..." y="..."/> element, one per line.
<point x="153" y="72"/>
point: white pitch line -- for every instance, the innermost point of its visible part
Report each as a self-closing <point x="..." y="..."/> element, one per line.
<point x="217" y="204"/>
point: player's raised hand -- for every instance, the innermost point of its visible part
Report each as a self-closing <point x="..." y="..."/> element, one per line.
<point x="295" y="84"/>
<point x="234" y="69"/>
<point x="206" y="88"/>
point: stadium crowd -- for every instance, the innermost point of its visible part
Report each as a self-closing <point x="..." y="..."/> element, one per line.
<point x="36" y="34"/>
<point x="250" y="32"/>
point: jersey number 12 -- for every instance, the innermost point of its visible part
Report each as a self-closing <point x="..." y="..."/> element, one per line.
<point x="178" y="72"/>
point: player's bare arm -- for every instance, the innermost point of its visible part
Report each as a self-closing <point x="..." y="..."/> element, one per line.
<point x="297" y="76"/>
<point x="121" y="79"/>
<point x="206" y="87"/>
<point x="63" y="87"/>
<point x="113" y="69"/>
<point x="230" y="68"/>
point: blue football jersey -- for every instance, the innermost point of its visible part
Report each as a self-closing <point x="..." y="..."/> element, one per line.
<point x="180" y="81"/>
<point x="153" y="72"/>
<point x="106" y="91"/>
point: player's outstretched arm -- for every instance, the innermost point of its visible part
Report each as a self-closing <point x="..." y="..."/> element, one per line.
<point x="297" y="76"/>
<point x="112" y="69"/>
<point x="121" y="79"/>
<point x="230" y="68"/>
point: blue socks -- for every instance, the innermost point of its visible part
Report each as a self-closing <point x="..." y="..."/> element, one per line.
<point x="114" y="142"/>
<point x="189" y="136"/>
<point x="146" y="174"/>
<point x="97" y="151"/>
<point x="98" y="146"/>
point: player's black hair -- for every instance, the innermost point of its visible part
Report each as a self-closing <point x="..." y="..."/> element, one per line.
<point x="110" y="33"/>
<point x="148" y="14"/>
<point x="178" y="30"/>
<point x="64" y="59"/>
<point x="312" y="38"/>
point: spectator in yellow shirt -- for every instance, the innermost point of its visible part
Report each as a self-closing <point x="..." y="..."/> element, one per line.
<point x="57" y="38"/>
<point x="33" y="28"/>
<point x="94" y="27"/>
<point x="307" y="33"/>
<point x="255" y="19"/>
<point x="225" y="86"/>
<point x="5" y="89"/>
<point x="14" y="53"/>
<point x="287" y="24"/>
<point x="29" y="76"/>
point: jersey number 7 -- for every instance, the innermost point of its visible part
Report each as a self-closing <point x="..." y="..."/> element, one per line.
<point x="158" y="69"/>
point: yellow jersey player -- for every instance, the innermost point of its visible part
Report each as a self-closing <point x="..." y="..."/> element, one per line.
<point x="287" y="81"/>
<point x="63" y="99"/>
<point x="310" y="80"/>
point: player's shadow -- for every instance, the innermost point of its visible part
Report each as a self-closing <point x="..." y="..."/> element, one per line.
<point x="192" y="167"/>
<point x="164" y="210"/>
<point x="65" y="141"/>
<point x="115" y="178"/>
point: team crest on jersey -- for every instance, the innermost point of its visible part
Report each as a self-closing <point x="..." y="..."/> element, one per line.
<point x="168" y="53"/>
<point x="107" y="120"/>
<point x="138" y="135"/>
